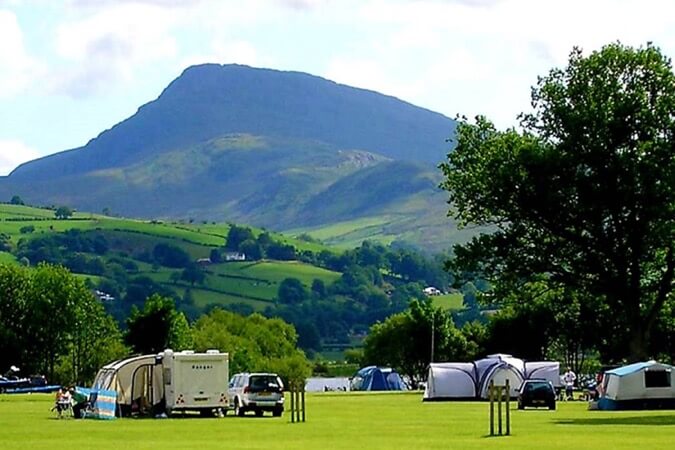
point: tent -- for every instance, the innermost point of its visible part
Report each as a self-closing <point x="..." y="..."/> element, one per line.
<point x="96" y="404"/>
<point x="464" y="381"/>
<point x="455" y="381"/>
<point x="137" y="381"/>
<point x="643" y="385"/>
<point x="498" y="368"/>
<point x="373" y="378"/>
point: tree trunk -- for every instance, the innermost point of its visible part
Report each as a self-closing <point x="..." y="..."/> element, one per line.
<point x="637" y="346"/>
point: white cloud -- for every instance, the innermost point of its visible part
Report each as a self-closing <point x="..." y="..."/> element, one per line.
<point x="17" y="67"/>
<point x="110" y="45"/>
<point x="481" y="56"/>
<point x="370" y="74"/>
<point x="14" y="152"/>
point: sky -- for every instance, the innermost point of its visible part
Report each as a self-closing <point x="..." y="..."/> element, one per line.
<point x="70" y="69"/>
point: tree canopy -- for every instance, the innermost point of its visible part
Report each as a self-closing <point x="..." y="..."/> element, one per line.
<point x="158" y="326"/>
<point x="584" y="196"/>
<point x="63" y="212"/>
<point x="50" y="323"/>
<point x="254" y="343"/>
<point x="410" y="340"/>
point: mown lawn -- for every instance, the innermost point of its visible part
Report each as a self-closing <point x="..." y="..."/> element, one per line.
<point x="349" y="421"/>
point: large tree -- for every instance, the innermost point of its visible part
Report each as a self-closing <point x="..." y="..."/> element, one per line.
<point x="50" y="323"/>
<point x="410" y="340"/>
<point x="254" y="343"/>
<point x="584" y="195"/>
<point x="157" y="326"/>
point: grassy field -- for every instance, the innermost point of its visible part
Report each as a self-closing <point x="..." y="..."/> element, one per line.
<point x="248" y="281"/>
<point x="448" y="301"/>
<point x="253" y="283"/>
<point x="351" y="233"/>
<point x="7" y="258"/>
<point x="15" y="217"/>
<point x="349" y="421"/>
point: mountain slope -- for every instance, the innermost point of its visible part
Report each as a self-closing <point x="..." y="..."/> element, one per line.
<point x="276" y="149"/>
<point x="210" y="100"/>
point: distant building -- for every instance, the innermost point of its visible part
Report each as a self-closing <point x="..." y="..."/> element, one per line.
<point x="103" y="296"/>
<point x="234" y="256"/>
<point x="430" y="290"/>
<point x="203" y="261"/>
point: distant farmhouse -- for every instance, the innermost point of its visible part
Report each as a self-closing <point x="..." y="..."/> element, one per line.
<point x="103" y="296"/>
<point x="234" y="256"/>
<point x="431" y="291"/>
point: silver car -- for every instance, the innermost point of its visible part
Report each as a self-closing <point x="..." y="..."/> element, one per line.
<point x="257" y="392"/>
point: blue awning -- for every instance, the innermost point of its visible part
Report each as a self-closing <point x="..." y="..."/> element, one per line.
<point x="631" y="368"/>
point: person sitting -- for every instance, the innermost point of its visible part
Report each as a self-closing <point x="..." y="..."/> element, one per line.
<point x="63" y="402"/>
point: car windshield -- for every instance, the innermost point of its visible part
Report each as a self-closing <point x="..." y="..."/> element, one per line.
<point x="537" y="386"/>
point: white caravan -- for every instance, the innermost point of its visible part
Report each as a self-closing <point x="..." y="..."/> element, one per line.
<point x="167" y="382"/>
<point x="195" y="381"/>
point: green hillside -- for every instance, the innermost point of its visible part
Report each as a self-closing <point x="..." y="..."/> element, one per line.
<point x="252" y="283"/>
<point x="215" y="147"/>
<point x="331" y="296"/>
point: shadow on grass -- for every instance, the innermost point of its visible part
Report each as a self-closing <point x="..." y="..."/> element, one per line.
<point x="632" y="420"/>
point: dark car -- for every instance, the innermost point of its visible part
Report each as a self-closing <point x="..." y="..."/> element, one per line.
<point x="536" y="393"/>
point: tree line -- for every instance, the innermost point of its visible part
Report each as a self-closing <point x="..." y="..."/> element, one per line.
<point x="51" y="324"/>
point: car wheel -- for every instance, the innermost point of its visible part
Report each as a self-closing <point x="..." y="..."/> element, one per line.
<point x="551" y="406"/>
<point x="277" y="412"/>
<point x="521" y="406"/>
<point x="238" y="410"/>
<point x="258" y="412"/>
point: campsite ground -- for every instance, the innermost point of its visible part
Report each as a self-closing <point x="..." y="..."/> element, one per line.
<point x="342" y="420"/>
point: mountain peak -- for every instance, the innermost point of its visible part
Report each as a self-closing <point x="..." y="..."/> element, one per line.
<point x="235" y="142"/>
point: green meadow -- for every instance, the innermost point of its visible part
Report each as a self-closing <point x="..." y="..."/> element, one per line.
<point x="248" y="281"/>
<point x="255" y="284"/>
<point x="15" y="217"/>
<point x="343" y="421"/>
<point x="448" y="301"/>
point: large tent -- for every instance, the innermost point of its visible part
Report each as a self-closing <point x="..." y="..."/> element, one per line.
<point x="451" y="380"/>
<point x="465" y="381"/>
<point x="373" y="378"/>
<point x="138" y="382"/>
<point x="643" y="385"/>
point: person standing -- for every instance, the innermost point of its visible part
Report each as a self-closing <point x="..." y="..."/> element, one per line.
<point x="569" y="378"/>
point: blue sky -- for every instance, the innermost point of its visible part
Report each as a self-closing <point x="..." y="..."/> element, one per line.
<point x="73" y="68"/>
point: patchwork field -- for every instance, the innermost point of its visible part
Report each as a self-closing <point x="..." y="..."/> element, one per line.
<point x="349" y="421"/>
<point x="254" y="284"/>
<point x="15" y="217"/>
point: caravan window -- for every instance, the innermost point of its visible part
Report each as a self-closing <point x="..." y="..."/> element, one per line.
<point x="657" y="378"/>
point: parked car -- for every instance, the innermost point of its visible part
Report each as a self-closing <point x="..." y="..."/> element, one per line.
<point x="536" y="393"/>
<point x="257" y="392"/>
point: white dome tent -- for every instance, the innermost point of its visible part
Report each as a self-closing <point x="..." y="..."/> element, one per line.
<point x="470" y="381"/>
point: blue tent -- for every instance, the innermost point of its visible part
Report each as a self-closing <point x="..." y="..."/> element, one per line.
<point x="373" y="378"/>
